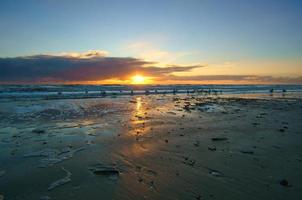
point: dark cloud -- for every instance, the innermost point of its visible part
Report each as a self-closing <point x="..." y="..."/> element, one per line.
<point x="92" y="67"/>
<point x="95" y="66"/>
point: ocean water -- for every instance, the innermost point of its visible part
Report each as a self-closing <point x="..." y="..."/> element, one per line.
<point x="86" y="91"/>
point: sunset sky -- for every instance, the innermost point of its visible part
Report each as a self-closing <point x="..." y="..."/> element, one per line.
<point x="163" y="41"/>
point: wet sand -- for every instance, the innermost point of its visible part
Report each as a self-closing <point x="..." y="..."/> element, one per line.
<point x="152" y="147"/>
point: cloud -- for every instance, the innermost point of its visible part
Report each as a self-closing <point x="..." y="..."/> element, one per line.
<point x="238" y="78"/>
<point x="89" y="54"/>
<point x="149" y="51"/>
<point x="79" y="67"/>
<point x="95" y="66"/>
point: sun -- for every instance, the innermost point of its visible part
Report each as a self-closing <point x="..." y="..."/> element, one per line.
<point x="138" y="79"/>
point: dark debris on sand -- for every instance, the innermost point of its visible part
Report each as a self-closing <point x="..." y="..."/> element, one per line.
<point x="285" y="183"/>
<point x="102" y="170"/>
<point x="216" y="139"/>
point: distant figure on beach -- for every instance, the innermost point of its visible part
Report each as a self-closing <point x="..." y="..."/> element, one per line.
<point x="272" y="90"/>
<point x="131" y="92"/>
<point x="283" y="92"/>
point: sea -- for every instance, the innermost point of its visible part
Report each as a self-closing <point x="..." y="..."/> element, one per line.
<point x="90" y="91"/>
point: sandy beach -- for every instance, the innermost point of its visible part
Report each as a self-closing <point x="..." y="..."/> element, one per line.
<point x="152" y="147"/>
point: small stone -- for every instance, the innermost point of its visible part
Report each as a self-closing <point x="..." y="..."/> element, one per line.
<point x="39" y="131"/>
<point x="198" y="197"/>
<point x="216" y="173"/>
<point x="140" y="179"/>
<point x="285" y="183"/>
<point x="219" y="139"/>
<point x="212" y="148"/>
<point x="104" y="171"/>
<point x="1" y="197"/>
<point x="189" y="162"/>
<point x="151" y="184"/>
<point x="247" y="152"/>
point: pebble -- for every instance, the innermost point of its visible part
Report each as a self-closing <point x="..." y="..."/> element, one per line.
<point x="39" y="131"/>
<point x="219" y="139"/>
<point x="140" y="179"/>
<point x="247" y="152"/>
<point x="212" y="148"/>
<point x="99" y="169"/>
<point x="285" y="183"/>
<point x="196" y="143"/>
<point x="216" y="173"/>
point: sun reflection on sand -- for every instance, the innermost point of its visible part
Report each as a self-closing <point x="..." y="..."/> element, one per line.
<point x="138" y="104"/>
<point x="142" y="128"/>
<point x="139" y="116"/>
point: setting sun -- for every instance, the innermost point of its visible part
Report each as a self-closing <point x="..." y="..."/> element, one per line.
<point x="138" y="79"/>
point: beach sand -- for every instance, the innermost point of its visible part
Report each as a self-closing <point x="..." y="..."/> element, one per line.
<point x="152" y="147"/>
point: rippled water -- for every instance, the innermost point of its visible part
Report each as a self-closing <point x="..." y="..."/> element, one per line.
<point x="82" y="91"/>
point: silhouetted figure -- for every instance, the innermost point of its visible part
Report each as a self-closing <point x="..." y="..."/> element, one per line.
<point x="283" y="92"/>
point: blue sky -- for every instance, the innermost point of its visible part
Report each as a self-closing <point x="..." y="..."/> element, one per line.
<point x="209" y="32"/>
